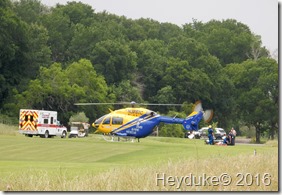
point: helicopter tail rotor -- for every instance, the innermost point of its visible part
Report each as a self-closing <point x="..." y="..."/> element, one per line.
<point x="192" y="121"/>
<point x="207" y="114"/>
<point x="197" y="107"/>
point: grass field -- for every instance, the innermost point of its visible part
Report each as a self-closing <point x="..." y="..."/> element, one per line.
<point x="154" y="164"/>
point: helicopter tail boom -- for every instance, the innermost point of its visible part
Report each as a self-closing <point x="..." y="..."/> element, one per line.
<point x="190" y="123"/>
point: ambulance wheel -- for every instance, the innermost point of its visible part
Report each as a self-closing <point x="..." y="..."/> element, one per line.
<point x="64" y="134"/>
<point x="46" y="135"/>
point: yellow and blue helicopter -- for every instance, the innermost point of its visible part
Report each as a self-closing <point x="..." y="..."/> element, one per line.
<point x="138" y="123"/>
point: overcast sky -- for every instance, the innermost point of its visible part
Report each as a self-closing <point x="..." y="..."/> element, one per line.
<point x="260" y="15"/>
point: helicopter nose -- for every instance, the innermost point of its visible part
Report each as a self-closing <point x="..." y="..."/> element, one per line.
<point x="95" y="125"/>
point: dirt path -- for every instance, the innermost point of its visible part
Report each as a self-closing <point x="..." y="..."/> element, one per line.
<point x="243" y="140"/>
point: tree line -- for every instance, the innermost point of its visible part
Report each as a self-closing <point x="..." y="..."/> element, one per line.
<point x="53" y="57"/>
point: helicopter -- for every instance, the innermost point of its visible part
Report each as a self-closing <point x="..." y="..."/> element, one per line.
<point x="137" y="122"/>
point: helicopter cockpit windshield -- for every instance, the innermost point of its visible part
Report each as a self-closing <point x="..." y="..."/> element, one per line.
<point x="99" y="120"/>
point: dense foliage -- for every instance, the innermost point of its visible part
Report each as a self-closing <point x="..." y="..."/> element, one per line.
<point x="53" y="57"/>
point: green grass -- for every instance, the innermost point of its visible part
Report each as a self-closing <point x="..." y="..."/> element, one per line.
<point x="86" y="164"/>
<point x="8" y="130"/>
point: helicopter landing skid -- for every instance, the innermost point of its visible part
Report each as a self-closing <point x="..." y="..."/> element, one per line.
<point x="113" y="138"/>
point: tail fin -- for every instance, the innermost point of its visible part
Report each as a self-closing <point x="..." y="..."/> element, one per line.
<point x="192" y="121"/>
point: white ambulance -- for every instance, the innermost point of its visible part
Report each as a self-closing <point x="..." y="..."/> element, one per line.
<point x="40" y="122"/>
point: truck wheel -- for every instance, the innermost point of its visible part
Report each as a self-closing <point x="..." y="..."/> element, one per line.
<point x="46" y="135"/>
<point x="64" y="134"/>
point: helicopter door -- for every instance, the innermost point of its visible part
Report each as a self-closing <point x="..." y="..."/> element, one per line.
<point x="107" y="121"/>
<point x="106" y="124"/>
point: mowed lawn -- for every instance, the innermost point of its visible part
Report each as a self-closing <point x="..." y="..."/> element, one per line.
<point x="91" y="163"/>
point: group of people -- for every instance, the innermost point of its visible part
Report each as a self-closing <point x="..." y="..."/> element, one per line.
<point x="228" y="140"/>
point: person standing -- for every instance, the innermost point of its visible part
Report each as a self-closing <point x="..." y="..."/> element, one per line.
<point x="233" y="132"/>
<point x="210" y="135"/>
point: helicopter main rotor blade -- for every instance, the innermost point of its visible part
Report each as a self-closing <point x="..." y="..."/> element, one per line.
<point x="89" y="104"/>
<point x="151" y="104"/>
<point x="125" y="103"/>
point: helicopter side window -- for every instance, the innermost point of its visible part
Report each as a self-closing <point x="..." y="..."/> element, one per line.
<point x="117" y="120"/>
<point x="107" y="121"/>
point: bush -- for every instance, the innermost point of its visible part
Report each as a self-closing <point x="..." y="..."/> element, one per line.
<point x="248" y="132"/>
<point x="174" y="130"/>
<point x="79" y="117"/>
<point x="4" y="119"/>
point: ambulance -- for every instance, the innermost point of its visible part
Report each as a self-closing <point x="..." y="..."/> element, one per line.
<point x="41" y="123"/>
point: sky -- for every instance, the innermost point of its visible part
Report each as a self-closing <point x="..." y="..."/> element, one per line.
<point x="261" y="16"/>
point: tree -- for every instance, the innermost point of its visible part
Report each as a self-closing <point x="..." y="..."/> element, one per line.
<point x="228" y="40"/>
<point x="187" y="49"/>
<point x="125" y="92"/>
<point x="83" y="41"/>
<point x="58" y="89"/>
<point x="151" y="64"/>
<point x="114" y="60"/>
<point x="270" y="88"/>
<point x="39" y="53"/>
<point x="165" y="95"/>
<point x="134" y="31"/>
<point x="257" y="50"/>
<point x="256" y="83"/>
<point x="169" y="31"/>
<point x="29" y="11"/>
<point x="77" y="12"/>
<point x="189" y="84"/>
<point x="79" y="117"/>
<point x="86" y="37"/>
<point x="221" y="92"/>
<point x="150" y="27"/>
<point x="13" y="50"/>
<point x="87" y="86"/>
<point x="60" y="33"/>
<point x="83" y="75"/>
